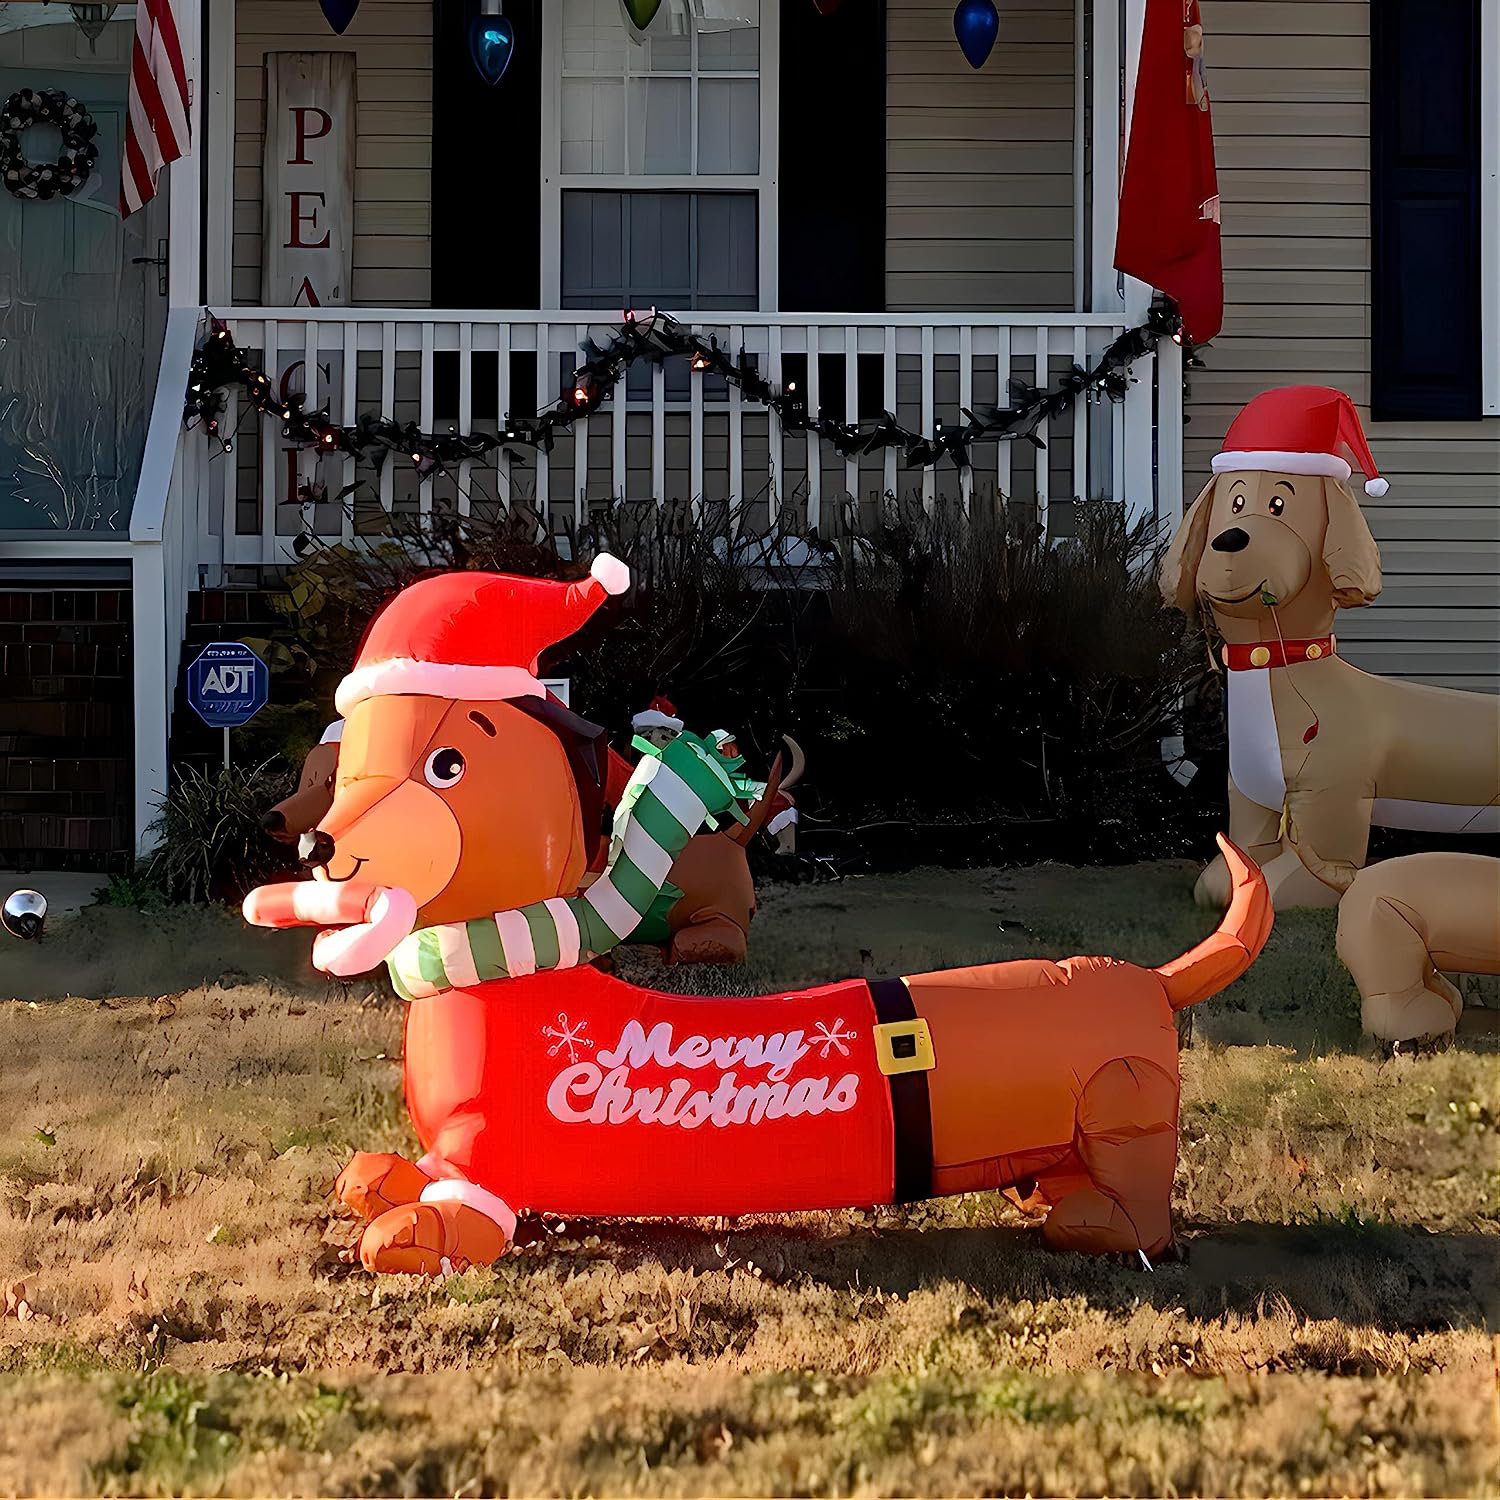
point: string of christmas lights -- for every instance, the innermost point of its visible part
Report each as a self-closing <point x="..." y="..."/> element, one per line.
<point x="220" y="364"/>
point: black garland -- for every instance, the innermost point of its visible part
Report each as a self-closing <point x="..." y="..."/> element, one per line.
<point x="655" y="336"/>
<point x="75" y="161"/>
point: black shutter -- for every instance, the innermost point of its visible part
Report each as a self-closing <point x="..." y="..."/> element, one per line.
<point x="486" y="164"/>
<point x="832" y="170"/>
<point x="1424" y="154"/>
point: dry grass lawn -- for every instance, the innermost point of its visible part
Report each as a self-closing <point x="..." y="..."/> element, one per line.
<point x="168" y="1143"/>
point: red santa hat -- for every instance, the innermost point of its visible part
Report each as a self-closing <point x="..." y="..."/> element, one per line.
<point x="660" y="713"/>
<point x="474" y="636"/>
<point x="1300" y="429"/>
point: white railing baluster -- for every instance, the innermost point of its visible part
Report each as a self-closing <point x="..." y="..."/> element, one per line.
<point x="851" y="409"/>
<point x="929" y="414"/>
<point x="1081" y="421"/>
<point x="1140" y="476"/>
<point x="426" y="414"/>
<point x="502" y="414"/>
<point x="659" y="433"/>
<point x="581" y="448"/>
<point x="348" y="413"/>
<point x="888" y="396"/>
<point x="307" y="459"/>
<point x="619" y="475"/>
<point x="543" y="498"/>
<point x="775" y="451"/>
<point x="1004" y="450"/>
<point x="388" y="409"/>
<point x="736" y="429"/>
<point x="814" y="443"/>
<point x="230" y="462"/>
<point x="270" y="446"/>
<point x="1117" y="449"/>
<point x="1043" y="455"/>
<point x="695" y="444"/>
<point x="966" y="403"/>
<point x="465" y="408"/>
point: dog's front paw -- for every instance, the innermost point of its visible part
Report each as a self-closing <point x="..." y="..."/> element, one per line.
<point x="377" y="1180"/>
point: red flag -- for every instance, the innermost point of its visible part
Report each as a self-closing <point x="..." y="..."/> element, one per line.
<point x="1168" y="233"/>
<point x="156" y="127"/>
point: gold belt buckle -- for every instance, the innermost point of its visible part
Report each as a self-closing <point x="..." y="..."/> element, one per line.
<point x="904" y="1047"/>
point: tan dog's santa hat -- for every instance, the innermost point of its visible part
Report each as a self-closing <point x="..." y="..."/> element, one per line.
<point x="1300" y="429"/>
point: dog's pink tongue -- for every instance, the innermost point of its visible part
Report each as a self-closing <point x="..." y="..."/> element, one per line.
<point x="371" y="920"/>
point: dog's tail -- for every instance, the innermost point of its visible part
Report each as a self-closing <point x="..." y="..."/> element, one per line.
<point x="1224" y="955"/>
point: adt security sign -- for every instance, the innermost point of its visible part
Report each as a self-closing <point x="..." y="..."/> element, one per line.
<point x="227" y="685"/>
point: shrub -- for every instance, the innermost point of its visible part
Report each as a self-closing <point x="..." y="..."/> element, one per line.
<point x="211" y="845"/>
<point x="967" y="675"/>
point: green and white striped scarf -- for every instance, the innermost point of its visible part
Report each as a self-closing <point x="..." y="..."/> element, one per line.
<point x="671" y="794"/>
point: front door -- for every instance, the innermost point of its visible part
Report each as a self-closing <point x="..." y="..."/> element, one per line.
<point x="81" y="317"/>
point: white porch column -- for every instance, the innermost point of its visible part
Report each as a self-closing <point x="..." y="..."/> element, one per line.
<point x="184" y="201"/>
<point x="217" y="142"/>
<point x="148" y="686"/>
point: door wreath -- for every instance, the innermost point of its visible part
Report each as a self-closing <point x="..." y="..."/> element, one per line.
<point x="30" y="179"/>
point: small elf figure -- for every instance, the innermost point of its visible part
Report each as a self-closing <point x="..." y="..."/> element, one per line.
<point x="657" y="724"/>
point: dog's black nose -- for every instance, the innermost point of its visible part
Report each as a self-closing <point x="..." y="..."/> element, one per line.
<point x="315" y="849"/>
<point x="1236" y="539"/>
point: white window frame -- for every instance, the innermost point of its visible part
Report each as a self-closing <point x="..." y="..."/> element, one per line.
<point x="763" y="183"/>
<point x="1489" y="203"/>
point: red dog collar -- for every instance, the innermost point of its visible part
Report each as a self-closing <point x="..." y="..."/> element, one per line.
<point x="1277" y="653"/>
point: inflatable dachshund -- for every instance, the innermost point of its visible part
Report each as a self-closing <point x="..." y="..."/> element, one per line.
<point x="457" y="850"/>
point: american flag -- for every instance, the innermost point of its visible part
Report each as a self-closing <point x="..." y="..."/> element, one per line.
<point x="156" y="131"/>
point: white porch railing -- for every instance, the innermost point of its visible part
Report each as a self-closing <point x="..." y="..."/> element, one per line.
<point x="668" y="434"/>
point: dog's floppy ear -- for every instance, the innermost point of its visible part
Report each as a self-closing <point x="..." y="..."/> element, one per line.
<point x="1349" y="551"/>
<point x="1179" y="568"/>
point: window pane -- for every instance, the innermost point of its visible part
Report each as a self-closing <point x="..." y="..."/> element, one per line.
<point x="676" y="251"/>
<point x="593" y="125"/>
<point x="729" y="36"/>
<point x="728" y="126"/>
<point x="726" y="251"/>
<point x="661" y="248"/>
<point x="593" y="246"/>
<point x="667" y="46"/>
<point x="593" y="37"/>
<point x="660" y="133"/>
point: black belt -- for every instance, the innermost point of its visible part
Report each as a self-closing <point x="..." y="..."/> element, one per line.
<point x="910" y="1109"/>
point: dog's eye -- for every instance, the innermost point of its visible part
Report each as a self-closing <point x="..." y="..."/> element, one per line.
<point x="444" y="768"/>
<point x="1238" y="504"/>
<point x="1277" y="505"/>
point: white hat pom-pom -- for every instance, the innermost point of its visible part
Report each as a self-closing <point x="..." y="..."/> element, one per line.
<point x="611" y="573"/>
<point x="1375" y="488"/>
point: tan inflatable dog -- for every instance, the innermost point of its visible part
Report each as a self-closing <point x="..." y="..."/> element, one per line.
<point x="1404" y="920"/>
<point x="1318" y="750"/>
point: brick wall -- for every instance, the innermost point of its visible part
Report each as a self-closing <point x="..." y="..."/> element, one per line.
<point x="66" y="726"/>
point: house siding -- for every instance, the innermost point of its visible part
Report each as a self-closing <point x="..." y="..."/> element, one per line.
<point x="1291" y="90"/>
<point x="979" y="176"/>
<point x="392" y="41"/>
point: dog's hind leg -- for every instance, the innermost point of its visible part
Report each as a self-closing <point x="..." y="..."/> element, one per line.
<point x="377" y="1180"/>
<point x="1126" y="1140"/>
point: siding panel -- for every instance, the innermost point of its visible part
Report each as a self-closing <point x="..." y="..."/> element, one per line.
<point x="1291" y="85"/>
<point x="979" y="162"/>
